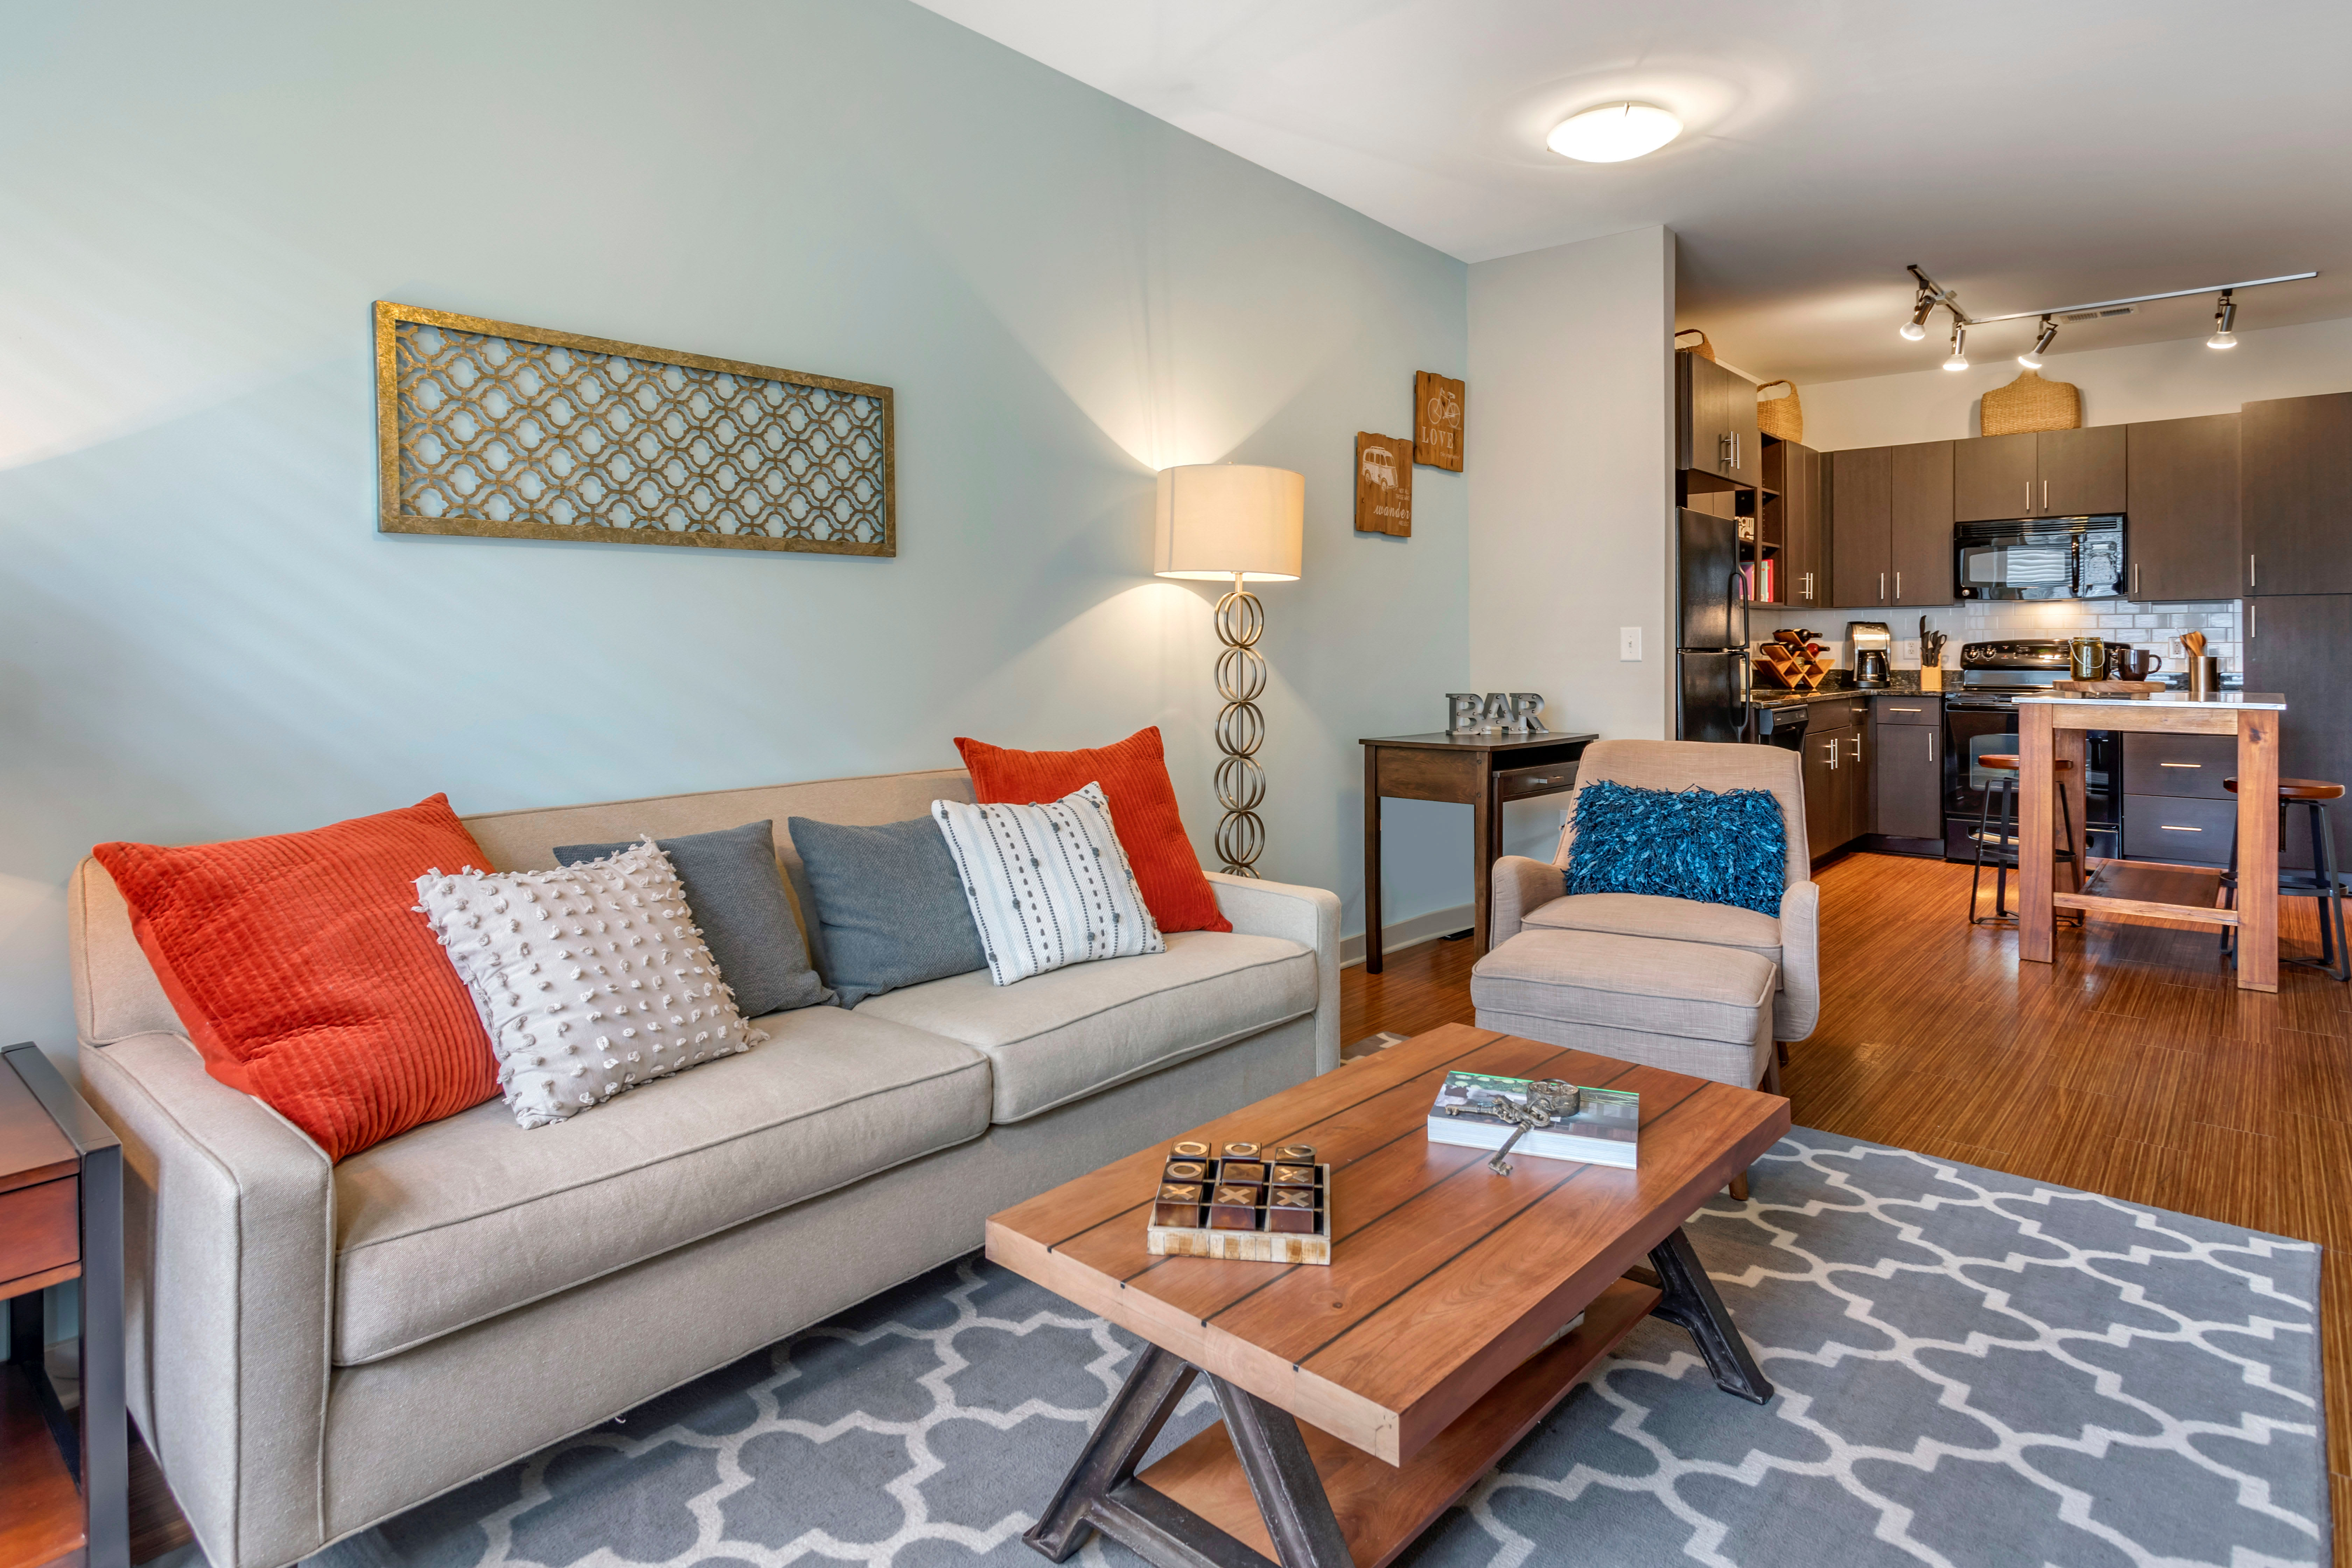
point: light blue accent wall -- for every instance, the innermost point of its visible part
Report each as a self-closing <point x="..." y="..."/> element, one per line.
<point x="202" y="635"/>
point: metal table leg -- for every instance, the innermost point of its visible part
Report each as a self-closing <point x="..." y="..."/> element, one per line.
<point x="1690" y="1301"/>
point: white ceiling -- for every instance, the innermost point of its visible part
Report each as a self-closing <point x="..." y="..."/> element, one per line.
<point x="2027" y="154"/>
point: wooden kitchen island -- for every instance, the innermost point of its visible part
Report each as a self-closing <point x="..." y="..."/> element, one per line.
<point x="2050" y="729"/>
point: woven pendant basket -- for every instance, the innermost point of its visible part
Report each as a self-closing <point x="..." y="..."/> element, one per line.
<point x="2030" y="403"/>
<point x="1704" y="349"/>
<point x="1783" y="418"/>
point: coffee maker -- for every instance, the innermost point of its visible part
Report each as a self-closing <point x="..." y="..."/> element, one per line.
<point x="1873" y="644"/>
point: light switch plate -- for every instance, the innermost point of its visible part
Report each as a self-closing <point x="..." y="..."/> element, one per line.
<point x="1629" y="645"/>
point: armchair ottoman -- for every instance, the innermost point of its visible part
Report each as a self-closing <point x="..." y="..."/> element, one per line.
<point x="1703" y="989"/>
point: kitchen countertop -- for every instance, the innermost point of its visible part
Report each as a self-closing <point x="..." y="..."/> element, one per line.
<point x="1763" y="697"/>
<point x="2232" y="699"/>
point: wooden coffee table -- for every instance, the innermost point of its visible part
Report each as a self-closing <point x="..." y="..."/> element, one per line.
<point x="1431" y="1343"/>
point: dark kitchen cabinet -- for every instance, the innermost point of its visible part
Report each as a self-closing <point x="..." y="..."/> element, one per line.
<point x="1795" y="470"/>
<point x="2301" y="645"/>
<point x="1919" y="554"/>
<point x="1861" y="524"/>
<point x="1829" y="797"/>
<point x="1715" y="420"/>
<point x="1907" y="780"/>
<point x="1993" y="478"/>
<point x="2296" y="495"/>
<point x="2046" y="473"/>
<point x="2181" y="539"/>
<point x="2081" y="471"/>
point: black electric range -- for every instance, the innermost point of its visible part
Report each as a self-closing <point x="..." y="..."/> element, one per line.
<point x="1980" y="718"/>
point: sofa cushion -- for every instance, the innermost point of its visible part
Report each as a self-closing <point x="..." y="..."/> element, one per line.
<point x="471" y="1217"/>
<point x="1680" y="988"/>
<point x="1670" y="919"/>
<point x="1063" y="1036"/>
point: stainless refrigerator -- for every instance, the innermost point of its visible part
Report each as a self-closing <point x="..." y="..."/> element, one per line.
<point x="1711" y="659"/>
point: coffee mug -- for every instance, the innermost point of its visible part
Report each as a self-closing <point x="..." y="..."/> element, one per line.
<point x="2088" y="658"/>
<point x="2132" y="663"/>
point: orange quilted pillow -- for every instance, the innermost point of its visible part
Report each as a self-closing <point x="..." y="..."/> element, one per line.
<point x="1134" y="778"/>
<point x="304" y="976"/>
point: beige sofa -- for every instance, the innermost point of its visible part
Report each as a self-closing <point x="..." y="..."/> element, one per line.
<point x="314" y="1348"/>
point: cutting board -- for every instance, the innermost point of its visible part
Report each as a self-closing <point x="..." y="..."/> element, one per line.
<point x="2108" y="687"/>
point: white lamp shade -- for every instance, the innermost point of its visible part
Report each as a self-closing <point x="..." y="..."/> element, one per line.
<point x="1223" y="519"/>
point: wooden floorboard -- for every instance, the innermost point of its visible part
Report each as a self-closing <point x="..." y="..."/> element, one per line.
<point x="2132" y="1066"/>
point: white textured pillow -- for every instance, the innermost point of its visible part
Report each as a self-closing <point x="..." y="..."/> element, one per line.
<point x="1048" y="884"/>
<point x="591" y="980"/>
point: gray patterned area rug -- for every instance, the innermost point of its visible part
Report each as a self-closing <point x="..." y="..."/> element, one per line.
<point x="1972" y="1369"/>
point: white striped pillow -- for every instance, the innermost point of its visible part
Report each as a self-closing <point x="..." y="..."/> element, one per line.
<point x="1049" y="885"/>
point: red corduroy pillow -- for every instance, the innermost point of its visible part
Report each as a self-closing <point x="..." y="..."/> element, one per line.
<point x="1134" y="778"/>
<point x="304" y="976"/>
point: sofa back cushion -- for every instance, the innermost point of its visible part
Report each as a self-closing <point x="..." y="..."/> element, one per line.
<point x="299" y="966"/>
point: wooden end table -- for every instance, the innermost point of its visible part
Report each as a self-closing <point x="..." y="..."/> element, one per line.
<point x="63" y="1483"/>
<point x="1481" y="772"/>
<point x="1430" y="1344"/>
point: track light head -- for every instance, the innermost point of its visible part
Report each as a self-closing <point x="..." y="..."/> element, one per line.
<point x="2032" y="358"/>
<point x="1917" y="327"/>
<point x="2225" y="316"/>
<point x="1959" y="360"/>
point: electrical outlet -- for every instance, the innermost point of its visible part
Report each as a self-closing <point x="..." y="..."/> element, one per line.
<point x="1629" y="645"/>
<point x="1906" y="650"/>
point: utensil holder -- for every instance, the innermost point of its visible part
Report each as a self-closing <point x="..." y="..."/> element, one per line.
<point x="2204" y="675"/>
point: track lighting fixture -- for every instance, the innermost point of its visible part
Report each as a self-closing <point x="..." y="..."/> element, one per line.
<point x="1917" y="327"/>
<point x="2225" y="316"/>
<point x="2032" y="358"/>
<point x="1930" y="297"/>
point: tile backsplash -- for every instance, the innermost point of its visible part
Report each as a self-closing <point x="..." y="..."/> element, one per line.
<point x="2155" y="627"/>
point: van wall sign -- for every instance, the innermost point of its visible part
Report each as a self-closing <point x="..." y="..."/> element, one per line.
<point x="1384" y="485"/>
<point x="1437" y="421"/>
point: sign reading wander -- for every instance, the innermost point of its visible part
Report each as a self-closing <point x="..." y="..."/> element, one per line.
<point x="1384" y="485"/>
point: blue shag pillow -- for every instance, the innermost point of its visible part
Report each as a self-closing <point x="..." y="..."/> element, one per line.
<point x="1727" y="849"/>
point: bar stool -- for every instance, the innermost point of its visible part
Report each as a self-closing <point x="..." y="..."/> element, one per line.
<point x="2333" y="961"/>
<point x="2004" y="847"/>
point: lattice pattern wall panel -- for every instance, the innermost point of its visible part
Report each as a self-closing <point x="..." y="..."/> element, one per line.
<point x="486" y="428"/>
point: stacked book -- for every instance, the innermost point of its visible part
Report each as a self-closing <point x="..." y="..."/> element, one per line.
<point x="1604" y="1131"/>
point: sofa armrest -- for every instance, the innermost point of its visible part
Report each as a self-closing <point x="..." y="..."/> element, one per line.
<point x="1799" y="1006"/>
<point x="1520" y="885"/>
<point x="1308" y="916"/>
<point x="229" y="1241"/>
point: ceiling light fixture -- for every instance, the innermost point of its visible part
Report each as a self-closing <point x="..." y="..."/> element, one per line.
<point x="1959" y="360"/>
<point x="1917" y="327"/>
<point x="2032" y="358"/>
<point x="2225" y="316"/>
<point x="1613" y="132"/>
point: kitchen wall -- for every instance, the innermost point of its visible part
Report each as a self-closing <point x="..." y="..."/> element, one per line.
<point x="2119" y="386"/>
<point x="204" y="636"/>
<point x="1570" y="462"/>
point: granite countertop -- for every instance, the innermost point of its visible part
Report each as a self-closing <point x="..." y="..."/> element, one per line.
<point x="2271" y="700"/>
<point x="1905" y="683"/>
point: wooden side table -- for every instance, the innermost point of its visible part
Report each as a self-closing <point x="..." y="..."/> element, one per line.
<point x="1481" y="772"/>
<point x="63" y="1482"/>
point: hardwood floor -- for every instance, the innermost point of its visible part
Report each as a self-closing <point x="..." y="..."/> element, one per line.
<point x="2133" y="1066"/>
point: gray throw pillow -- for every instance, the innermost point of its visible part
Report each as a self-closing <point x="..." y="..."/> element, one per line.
<point x="737" y="896"/>
<point x="890" y="909"/>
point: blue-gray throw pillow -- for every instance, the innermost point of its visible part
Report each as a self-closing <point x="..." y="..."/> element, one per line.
<point x="890" y="909"/>
<point x="736" y="892"/>
<point x="1727" y="849"/>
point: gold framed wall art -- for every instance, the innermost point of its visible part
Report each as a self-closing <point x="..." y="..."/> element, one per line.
<point x="491" y="429"/>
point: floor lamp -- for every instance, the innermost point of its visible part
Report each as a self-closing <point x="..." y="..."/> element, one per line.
<point x="1219" y="521"/>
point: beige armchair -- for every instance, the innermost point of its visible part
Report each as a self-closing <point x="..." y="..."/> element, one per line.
<point x="1532" y="895"/>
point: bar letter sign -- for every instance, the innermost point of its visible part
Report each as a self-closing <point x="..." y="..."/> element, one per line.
<point x="1436" y="421"/>
<point x="1384" y="484"/>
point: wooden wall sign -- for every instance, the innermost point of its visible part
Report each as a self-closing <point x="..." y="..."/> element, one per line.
<point x="1437" y="420"/>
<point x="1384" y="484"/>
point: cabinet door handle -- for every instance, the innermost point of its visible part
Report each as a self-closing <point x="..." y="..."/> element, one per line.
<point x="2045" y="495"/>
<point x="1882" y="587"/>
<point x="1830" y="754"/>
<point x="2251" y="578"/>
<point x="2253" y="619"/>
<point x="2176" y="827"/>
<point x="2029" y="494"/>
<point x="2134" y="577"/>
<point x="1855" y="742"/>
<point x="1902" y="709"/>
<point x="1898" y="587"/>
<point x="2180" y="764"/>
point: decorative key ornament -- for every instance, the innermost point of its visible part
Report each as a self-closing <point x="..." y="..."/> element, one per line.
<point x="1548" y="1101"/>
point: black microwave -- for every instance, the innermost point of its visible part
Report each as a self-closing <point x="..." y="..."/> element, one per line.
<point x="2040" y="558"/>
